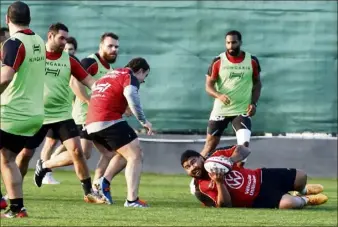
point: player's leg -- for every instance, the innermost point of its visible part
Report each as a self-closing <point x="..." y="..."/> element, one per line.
<point x="102" y="164"/>
<point x="26" y="154"/>
<point x="69" y="135"/>
<point x="216" y="126"/>
<point x="242" y="127"/>
<point x="60" y="149"/>
<point x="51" y="140"/>
<point x="277" y="182"/>
<point x="49" y="146"/>
<point x="10" y="146"/>
<point x="122" y="138"/>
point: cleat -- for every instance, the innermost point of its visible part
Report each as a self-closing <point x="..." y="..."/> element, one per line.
<point x="49" y="179"/>
<point x="3" y="203"/>
<point x="93" y="198"/>
<point x="10" y="214"/>
<point x="316" y="199"/>
<point x="40" y="173"/>
<point x="313" y="189"/>
<point x="138" y="203"/>
<point x="105" y="191"/>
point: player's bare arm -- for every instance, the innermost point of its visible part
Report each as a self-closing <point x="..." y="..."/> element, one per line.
<point x="210" y="89"/>
<point x="7" y="74"/>
<point x="223" y="195"/>
<point x="256" y="88"/>
<point x="240" y="153"/>
<point x="81" y="74"/>
<point x="79" y="90"/>
<point x="211" y="79"/>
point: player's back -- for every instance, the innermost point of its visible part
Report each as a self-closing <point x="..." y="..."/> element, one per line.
<point x="108" y="102"/>
<point x="22" y="111"/>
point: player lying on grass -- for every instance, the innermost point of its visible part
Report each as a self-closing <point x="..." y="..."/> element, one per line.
<point x="242" y="187"/>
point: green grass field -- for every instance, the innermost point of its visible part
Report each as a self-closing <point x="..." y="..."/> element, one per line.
<point x="171" y="205"/>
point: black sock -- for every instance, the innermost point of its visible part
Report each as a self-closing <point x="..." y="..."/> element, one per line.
<point x="0" y="194"/>
<point x="16" y="204"/>
<point x="132" y="201"/>
<point x="87" y="185"/>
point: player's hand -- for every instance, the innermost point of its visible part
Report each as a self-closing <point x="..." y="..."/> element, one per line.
<point x="128" y="112"/>
<point x="149" y="127"/>
<point x="217" y="176"/>
<point x="225" y="99"/>
<point x="251" y="110"/>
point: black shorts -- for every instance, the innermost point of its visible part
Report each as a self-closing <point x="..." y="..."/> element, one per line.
<point x="275" y="183"/>
<point x="115" y="136"/>
<point x="217" y="125"/>
<point x="83" y="132"/>
<point x="66" y="130"/>
<point x="53" y="134"/>
<point x="12" y="142"/>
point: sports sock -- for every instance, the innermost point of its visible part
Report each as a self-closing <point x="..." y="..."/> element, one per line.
<point x="87" y="186"/>
<point x="16" y="204"/>
<point x="132" y="201"/>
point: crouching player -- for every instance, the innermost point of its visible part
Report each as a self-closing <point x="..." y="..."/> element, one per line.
<point x="242" y="187"/>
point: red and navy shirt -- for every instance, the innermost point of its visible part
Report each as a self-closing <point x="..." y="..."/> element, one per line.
<point x="243" y="184"/>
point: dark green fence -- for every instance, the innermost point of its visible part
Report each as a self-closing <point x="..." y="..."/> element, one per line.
<point x="296" y="43"/>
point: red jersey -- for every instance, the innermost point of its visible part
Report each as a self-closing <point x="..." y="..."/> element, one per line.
<point x="243" y="184"/>
<point x="107" y="102"/>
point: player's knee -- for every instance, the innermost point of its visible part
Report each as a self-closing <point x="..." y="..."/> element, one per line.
<point x="286" y="203"/>
<point x="77" y="152"/>
<point x="136" y="155"/>
<point x="300" y="180"/>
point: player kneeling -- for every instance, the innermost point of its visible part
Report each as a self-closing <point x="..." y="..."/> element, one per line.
<point x="234" y="186"/>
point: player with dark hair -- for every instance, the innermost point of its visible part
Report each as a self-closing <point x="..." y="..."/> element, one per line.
<point x="23" y="58"/>
<point x="71" y="45"/>
<point x="242" y="187"/>
<point x="60" y="66"/>
<point x="97" y="64"/>
<point x="52" y="137"/>
<point x="233" y="79"/>
<point x="105" y="125"/>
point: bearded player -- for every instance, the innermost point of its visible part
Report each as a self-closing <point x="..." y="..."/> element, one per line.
<point x="60" y="66"/>
<point x="233" y="79"/>
<point x="241" y="187"/>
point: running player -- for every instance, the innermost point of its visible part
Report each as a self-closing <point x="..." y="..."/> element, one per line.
<point x="105" y="125"/>
<point x="233" y="79"/>
<point x="59" y="68"/>
<point x="241" y="187"/>
<point x="23" y="66"/>
<point x="52" y="137"/>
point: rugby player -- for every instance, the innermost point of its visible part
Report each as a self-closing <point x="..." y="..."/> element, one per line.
<point x="60" y="66"/>
<point x="242" y="187"/>
<point x="233" y="79"/>
<point x="23" y="58"/>
<point x="105" y="125"/>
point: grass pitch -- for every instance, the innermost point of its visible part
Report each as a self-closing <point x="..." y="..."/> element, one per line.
<point x="170" y="201"/>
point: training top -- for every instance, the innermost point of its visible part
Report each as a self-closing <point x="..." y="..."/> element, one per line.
<point x="59" y="68"/>
<point x="22" y="110"/>
<point x="234" y="78"/>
